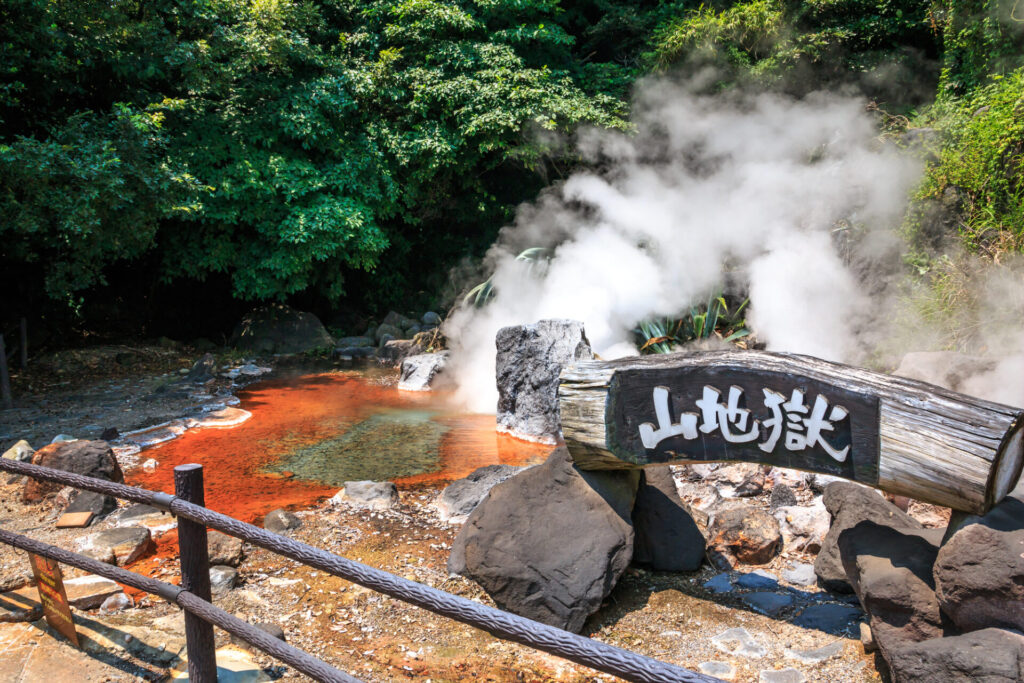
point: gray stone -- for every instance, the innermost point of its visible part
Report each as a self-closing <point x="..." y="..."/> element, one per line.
<point x="758" y="579"/>
<point x="801" y="574"/>
<point x="720" y="583"/>
<point x="743" y="534"/>
<point x="276" y="328"/>
<point x="63" y="438"/>
<point x="979" y="572"/>
<point x="551" y="542"/>
<point x="354" y="343"/>
<point x="90" y="501"/>
<point x="141" y="514"/>
<point x="829" y="618"/>
<point x="21" y="451"/>
<point x="987" y="656"/>
<point x="90" y="591"/>
<point x="419" y="371"/>
<point x="224" y="549"/>
<point x="850" y="504"/>
<point x="817" y="656"/>
<point x="116" y="603"/>
<point x="386" y="332"/>
<point x="739" y="642"/>
<point x="804" y="528"/>
<point x="718" y="670"/>
<point x="782" y="496"/>
<point x="431" y="319"/>
<point x="281" y="521"/>
<point x="787" y="675"/>
<point x="395" y="352"/>
<point x="667" y="538"/>
<point x="528" y="362"/>
<point x="222" y="579"/>
<point x="461" y="497"/>
<point x="739" y="480"/>
<point x="376" y="495"/>
<point x="203" y="369"/>
<point x="771" y="604"/>
<point x="127" y="543"/>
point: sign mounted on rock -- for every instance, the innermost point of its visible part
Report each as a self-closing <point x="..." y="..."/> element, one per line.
<point x="899" y="435"/>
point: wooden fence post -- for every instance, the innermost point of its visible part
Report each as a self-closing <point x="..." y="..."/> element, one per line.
<point x="5" y="379"/>
<point x="195" y="575"/>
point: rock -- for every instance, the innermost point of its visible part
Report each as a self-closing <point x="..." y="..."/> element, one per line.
<point x="90" y="591"/>
<point x="88" y="458"/>
<point x="116" y="603"/>
<point x="849" y="504"/>
<point x="418" y="372"/>
<point x="222" y="579"/>
<point x="787" y="675"/>
<point x="397" y="350"/>
<point x="701" y="497"/>
<point x="430" y="319"/>
<point x="979" y="571"/>
<point x="782" y="496"/>
<point x="816" y="656"/>
<point x="61" y="438"/>
<point x="386" y="332"/>
<point x="987" y="656"/>
<point x="276" y="328"/>
<point x="739" y="642"/>
<point x="739" y="480"/>
<point x="666" y="537"/>
<point x="203" y="370"/>
<point x="551" y="542"/>
<point x="13" y="612"/>
<point x="829" y="618"/>
<point x="770" y="604"/>
<point x="21" y="451"/>
<point x="376" y="495"/>
<point x="90" y="501"/>
<point x="224" y="549"/>
<point x="800" y="574"/>
<point x="270" y="629"/>
<point x="758" y="579"/>
<point x="109" y="434"/>
<point x="461" y="497"/>
<point x="127" y="543"/>
<point x="720" y="583"/>
<point x="143" y="515"/>
<point x="891" y="573"/>
<point x="398" y="320"/>
<point x="529" y="360"/>
<point x="349" y="353"/>
<point x="354" y="343"/>
<point x="946" y="368"/>
<point x="744" y="534"/>
<point x="867" y="638"/>
<point x="281" y="521"/>
<point x="727" y="672"/>
<point x="803" y="528"/>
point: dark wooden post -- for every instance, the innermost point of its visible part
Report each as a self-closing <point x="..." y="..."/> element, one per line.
<point x="195" y="575"/>
<point x="24" y="344"/>
<point x="5" y="379"/>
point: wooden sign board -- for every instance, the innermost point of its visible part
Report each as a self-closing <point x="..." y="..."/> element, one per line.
<point x="900" y="435"/>
<point x="711" y="414"/>
<point x="56" y="609"/>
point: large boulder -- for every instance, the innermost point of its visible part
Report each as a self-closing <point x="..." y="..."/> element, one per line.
<point x="277" y="328"/>
<point x="804" y="527"/>
<point x="461" y="497"/>
<point x="529" y="360"/>
<point x="87" y="458"/>
<point x="743" y="534"/>
<point x="666" y="536"/>
<point x="551" y="542"/>
<point x="988" y="656"/>
<point x="418" y="372"/>
<point x="850" y="504"/>
<point x="979" y="573"/>
<point x="891" y="573"/>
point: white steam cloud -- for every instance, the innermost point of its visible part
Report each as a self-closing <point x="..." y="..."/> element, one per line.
<point x="706" y="192"/>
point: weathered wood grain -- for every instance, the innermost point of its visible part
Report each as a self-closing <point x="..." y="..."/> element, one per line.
<point x="919" y="440"/>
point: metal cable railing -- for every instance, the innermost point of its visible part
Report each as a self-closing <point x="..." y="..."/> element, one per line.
<point x="594" y="654"/>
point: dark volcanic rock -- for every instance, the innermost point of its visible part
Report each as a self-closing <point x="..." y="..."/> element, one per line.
<point x="203" y="369"/>
<point x="979" y="573"/>
<point x="551" y="542"/>
<point x="277" y="328"/>
<point x="461" y="497"/>
<point x="988" y="656"/>
<point x="88" y="458"/>
<point x="891" y="573"/>
<point x="529" y="360"/>
<point x="744" y="534"/>
<point x="90" y="501"/>
<point x="667" y="538"/>
<point x="850" y="504"/>
<point x="782" y="496"/>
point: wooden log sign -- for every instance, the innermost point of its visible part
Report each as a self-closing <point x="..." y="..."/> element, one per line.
<point x="903" y="436"/>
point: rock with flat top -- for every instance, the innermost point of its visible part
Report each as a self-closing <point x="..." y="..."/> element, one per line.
<point x="376" y="495"/>
<point x="461" y="497"/>
<point x="988" y="656"/>
<point x="745" y="535"/>
<point x="421" y="370"/>
<point x="127" y="544"/>
<point x="276" y="328"/>
<point x="224" y="549"/>
<point x="87" y="458"/>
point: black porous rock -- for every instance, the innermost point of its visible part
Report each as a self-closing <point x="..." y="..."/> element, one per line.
<point x="277" y="328"/>
<point x="666" y="537"/>
<point x="551" y="542"/>
<point x="850" y="504"/>
<point x="529" y="360"/>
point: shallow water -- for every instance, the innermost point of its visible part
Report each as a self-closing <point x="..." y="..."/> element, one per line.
<point x="310" y="434"/>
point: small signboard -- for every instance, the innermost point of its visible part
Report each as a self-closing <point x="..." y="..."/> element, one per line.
<point x="713" y="414"/>
<point x="50" y="584"/>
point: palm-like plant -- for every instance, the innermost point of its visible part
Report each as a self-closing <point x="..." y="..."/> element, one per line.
<point x="533" y="258"/>
<point x="661" y="335"/>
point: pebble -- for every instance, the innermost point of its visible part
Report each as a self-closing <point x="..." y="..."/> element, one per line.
<point x="738" y="641"/>
<point x="718" y="670"/>
<point x="758" y="578"/>
<point x="788" y="675"/>
<point x="816" y="656"/>
<point x="801" y="574"/>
